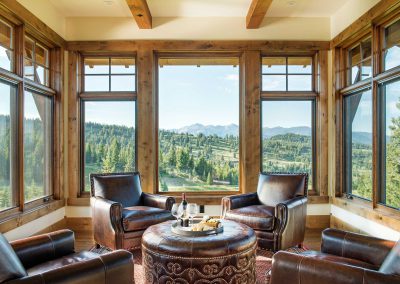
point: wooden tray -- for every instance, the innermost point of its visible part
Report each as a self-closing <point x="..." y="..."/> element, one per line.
<point x="176" y="228"/>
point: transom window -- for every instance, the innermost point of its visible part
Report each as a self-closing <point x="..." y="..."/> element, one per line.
<point x="6" y="46"/>
<point x="391" y="50"/>
<point x="287" y="74"/>
<point x="198" y="118"/>
<point x="359" y="62"/>
<point x="109" y="74"/>
<point x="36" y="62"/>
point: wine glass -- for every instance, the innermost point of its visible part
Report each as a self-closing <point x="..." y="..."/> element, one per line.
<point x="177" y="211"/>
<point x="192" y="210"/>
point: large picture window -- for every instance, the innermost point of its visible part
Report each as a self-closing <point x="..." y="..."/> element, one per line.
<point x="198" y="118"/>
<point x="357" y="131"/>
<point x="390" y="126"/>
<point x="38" y="153"/>
<point x="287" y="136"/>
<point x="7" y="145"/>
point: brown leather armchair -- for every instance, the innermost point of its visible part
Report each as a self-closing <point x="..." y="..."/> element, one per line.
<point x="277" y="211"/>
<point x="50" y="258"/>
<point x="345" y="258"/>
<point x="121" y="212"/>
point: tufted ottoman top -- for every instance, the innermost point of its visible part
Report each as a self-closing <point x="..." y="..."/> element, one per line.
<point x="235" y="238"/>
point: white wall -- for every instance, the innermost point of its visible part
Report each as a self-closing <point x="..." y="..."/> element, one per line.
<point x="348" y="13"/>
<point x="212" y="28"/>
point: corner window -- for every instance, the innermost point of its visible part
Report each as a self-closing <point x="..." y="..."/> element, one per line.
<point x="287" y="74"/>
<point x="359" y="62"/>
<point x="38" y="146"/>
<point x="6" y="46"/>
<point x="391" y="50"/>
<point x="36" y="62"/>
<point x="198" y="118"/>
<point x="390" y="143"/>
<point x="357" y="138"/>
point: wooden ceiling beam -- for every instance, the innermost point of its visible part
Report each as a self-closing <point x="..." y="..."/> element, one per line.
<point x="141" y="13"/>
<point x="256" y="13"/>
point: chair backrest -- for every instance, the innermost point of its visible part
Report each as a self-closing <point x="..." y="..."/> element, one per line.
<point x="124" y="188"/>
<point x="274" y="188"/>
<point x="10" y="265"/>
<point x="391" y="264"/>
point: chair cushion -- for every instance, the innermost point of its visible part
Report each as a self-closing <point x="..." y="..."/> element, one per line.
<point x="60" y="262"/>
<point x="258" y="217"/>
<point x="339" y="259"/>
<point x="391" y="264"/>
<point x="276" y="188"/>
<point x="136" y="218"/>
<point x="10" y="265"/>
<point x="122" y="188"/>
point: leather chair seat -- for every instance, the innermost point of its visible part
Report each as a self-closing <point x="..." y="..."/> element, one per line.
<point x="259" y="217"/>
<point x="339" y="259"/>
<point x="61" y="262"/>
<point x="136" y="218"/>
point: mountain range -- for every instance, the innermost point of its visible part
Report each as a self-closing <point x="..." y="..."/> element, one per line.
<point x="233" y="129"/>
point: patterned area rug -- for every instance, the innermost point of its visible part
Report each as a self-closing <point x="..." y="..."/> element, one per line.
<point x="263" y="263"/>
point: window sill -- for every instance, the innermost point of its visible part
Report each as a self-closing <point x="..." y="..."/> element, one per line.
<point x="381" y="214"/>
<point x="21" y="218"/>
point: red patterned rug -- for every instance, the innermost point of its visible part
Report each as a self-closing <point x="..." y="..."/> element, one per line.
<point x="263" y="264"/>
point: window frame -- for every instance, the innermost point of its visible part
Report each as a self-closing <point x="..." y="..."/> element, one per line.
<point x="313" y="95"/>
<point x="35" y="64"/>
<point x="195" y="55"/>
<point x="101" y="96"/>
<point x="348" y="61"/>
<point x="313" y="101"/>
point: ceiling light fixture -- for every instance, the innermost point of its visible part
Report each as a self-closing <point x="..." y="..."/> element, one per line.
<point x="291" y="3"/>
<point x="108" y="2"/>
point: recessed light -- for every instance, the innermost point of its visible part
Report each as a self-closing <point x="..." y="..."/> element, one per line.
<point x="291" y="3"/>
<point x="108" y="2"/>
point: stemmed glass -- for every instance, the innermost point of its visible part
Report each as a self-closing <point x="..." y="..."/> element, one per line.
<point x="192" y="210"/>
<point x="177" y="211"/>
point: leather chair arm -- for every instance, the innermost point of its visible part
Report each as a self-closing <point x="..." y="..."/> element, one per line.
<point x="41" y="248"/>
<point x="351" y="245"/>
<point x="107" y="222"/>
<point x="158" y="201"/>
<point x="294" y="268"/>
<point x="238" y="201"/>
<point x="114" y="267"/>
<point x="291" y="215"/>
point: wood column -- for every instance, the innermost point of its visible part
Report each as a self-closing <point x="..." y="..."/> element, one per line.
<point x="146" y="125"/>
<point x="250" y="120"/>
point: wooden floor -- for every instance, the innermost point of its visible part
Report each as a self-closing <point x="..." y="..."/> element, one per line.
<point x="84" y="239"/>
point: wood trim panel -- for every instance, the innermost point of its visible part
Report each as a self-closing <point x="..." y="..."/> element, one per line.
<point x="147" y="136"/>
<point x="250" y="121"/>
<point x="197" y="45"/>
<point x="73" y="125"/>
<point x="318" y="221"/>
<point x="22" y="218"/>
<point x="256" y="13"/>
<point x="364" y="209"/>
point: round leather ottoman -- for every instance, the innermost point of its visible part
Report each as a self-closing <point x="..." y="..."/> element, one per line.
<point x="228" y="257"/>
